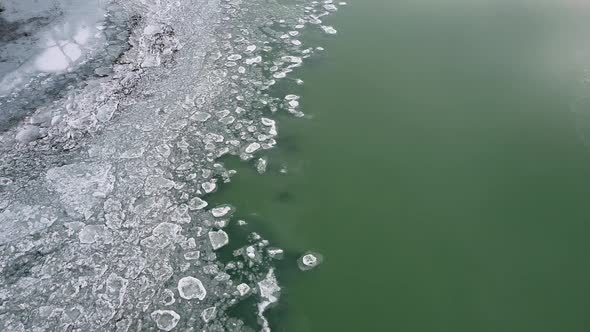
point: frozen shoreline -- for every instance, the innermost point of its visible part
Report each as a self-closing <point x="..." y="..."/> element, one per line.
<point x="102" y="192"/>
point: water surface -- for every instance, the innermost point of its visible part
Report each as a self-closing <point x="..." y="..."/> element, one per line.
<point x="444" y="173"/>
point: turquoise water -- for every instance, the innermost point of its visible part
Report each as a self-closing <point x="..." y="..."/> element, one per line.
<point x="443" y="171"/>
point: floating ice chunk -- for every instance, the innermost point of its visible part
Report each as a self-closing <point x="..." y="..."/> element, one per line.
<point x="28" y="134"/>
<point x="342" y="3"/>
<point x="234" y="57"/>
<point x="275" y="253"/>
<point x="328" y="29"/>
<point x="330" y="7"/>
<point x="243" y="289"/>
<point x="261" y="165"/>
<point x="296" y="42"/>
<point x="191" y="288"/>
<point x="281" y="74"/>
<point x="251" y="61"/>
<point x="291" y="97"/>
<point x="209" y="187"/>
<point x="52" y="60"/>
<point x="250" y="48"/>
<point x="253" y="147"/>
<point x="197" y="204"/>
<point x="221" y="211"/>
<point x="218" y="239"/>
<point x="292" y="59"/>
<point x="309" y="261"/>
<point x="293" y="104"/>
<point x="208" y="314"/>
<point x="269" y="292"/>
<point x="293" y="33"/>
<point x="72" y="51"/>
<point x="166" y="320"/>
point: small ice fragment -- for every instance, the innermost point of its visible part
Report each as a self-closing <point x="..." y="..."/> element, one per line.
<point x="234" y="57"/>
<point x="291" y="97"/>
<point x="330" y="7"/>
<point x="328" y="29"/>
<point x="275" y="253"/>
<point x="250" y="48"/>
<point x="261" y="165"/>
<point x="166" y="320"/>
<point x="253" y="147"/>
<point x="197" y="204"/>
<point x="191" y="288"/>
<point x="309" y="261"/>
<point x="200" y="116"/>
<point x="218" y="239"/>
<point x="251" y="61"/>
<point x="209" y="187"/>
<point x="243" y="289"/>
<point x="221" y="211"/>
<point x="208" y="314"/>
<point x="296" y="42"/>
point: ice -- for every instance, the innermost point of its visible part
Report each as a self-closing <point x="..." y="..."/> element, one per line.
<point x="81" y="186"/>
<point x="28" y="134"/>
<point x="328" y="29"/>
<point x="221" y="211"/>
<point x="250" y="48"/>
<point x="191" y="288"/>
<point x="197" y="203"/>
<point x="105" y="112"/>
<point x="18" y="221"/>
<point x="269" y="292"/>
<point x="261" y="165"/>
<point x="251" y="61"/>
<point x="82" y="35"/>
<point x="234" y="57"/>
<point x="243" y="289"/>
<point x="275" y="253"/>
<point x="252" y="147"/>
<point x="72" y="51"/>
<point x="200" y="116"/>
<point x="166" y="320"/>
<point x="209" y="187"/>
<point x="52" y="60"/>
<point x="218" y="239"/>
<point x="90" y="233"/>
<point x="208" y="314"/>
<point x="309" y="261"/>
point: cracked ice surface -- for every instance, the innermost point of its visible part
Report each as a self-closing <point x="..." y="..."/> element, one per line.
<point x="104" y="223"/>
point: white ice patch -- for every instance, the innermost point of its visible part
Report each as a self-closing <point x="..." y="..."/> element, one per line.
<point x="269" y="292"/>
<point x="328" y="29"/>
<point x="218" y="239"/>
<point x="52" y="60"/>
<point x="191" y="288"/>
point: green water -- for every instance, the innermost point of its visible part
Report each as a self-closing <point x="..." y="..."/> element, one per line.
<point x="443" y="173"/>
